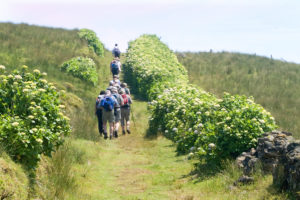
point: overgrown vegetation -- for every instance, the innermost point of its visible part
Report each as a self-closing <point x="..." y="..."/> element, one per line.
<point x="46" y="49"/>
<point x="93" y="41"/>
<point x="274" y="84"/>
<point x="83" y="68"/>
<point x="31" y="116"/>
<point x="195" y="120"/>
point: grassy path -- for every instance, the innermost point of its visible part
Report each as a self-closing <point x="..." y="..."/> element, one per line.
<point x="133" y="167"/>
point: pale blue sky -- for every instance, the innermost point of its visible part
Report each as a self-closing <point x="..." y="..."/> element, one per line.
<point x="263" y="27"/>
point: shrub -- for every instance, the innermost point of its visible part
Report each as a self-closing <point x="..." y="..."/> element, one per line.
<point x="31" y="118"/>
<point x="195" y="120"/>
<point x="150" y="62"/>
<point x="83" y="68"/>
<point x="93" y="41"/>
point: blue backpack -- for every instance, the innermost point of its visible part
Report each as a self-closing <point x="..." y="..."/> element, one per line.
<point x="108" y="103"/>
<point x="114" y="66"/>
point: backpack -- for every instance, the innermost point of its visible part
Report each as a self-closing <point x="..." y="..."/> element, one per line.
<point x="114" y="66"/>
<point x="107" y="103"/>
<point x="125" y="99"/>
<point x="118" y="99"/>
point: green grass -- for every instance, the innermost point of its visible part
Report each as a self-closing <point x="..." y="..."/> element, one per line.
<point x="135" y="167"/>
<point x="131" y="167"/>
<point x="46" y="49"/>
<point x="274" y="84"/>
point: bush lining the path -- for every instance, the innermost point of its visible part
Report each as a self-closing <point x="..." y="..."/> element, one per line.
<point x="31" y="116"/>
<point x="195" y="120"/>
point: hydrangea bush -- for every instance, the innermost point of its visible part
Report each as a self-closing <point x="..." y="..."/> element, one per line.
<point x="32" y="120"/>
<point x="150" y="62"/>
<point x="198" y="122"/>
<point x="83" y="68"/>
<point x="93" y="41"/>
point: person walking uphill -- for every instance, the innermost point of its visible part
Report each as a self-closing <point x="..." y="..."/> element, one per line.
<point x="125" y="112"/>
<point x="117" y="110"/>
<point x="115" y="66"/>
<point x="116" y="51"/>
<point x="107" y="105"/>
<point x="98" y="112"/>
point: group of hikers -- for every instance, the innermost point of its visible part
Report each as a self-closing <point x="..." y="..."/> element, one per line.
<point x="113" y="104"/>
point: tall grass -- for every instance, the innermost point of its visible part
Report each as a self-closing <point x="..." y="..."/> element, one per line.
<point x="46" y="49"/>
<point x="274" y="84"/>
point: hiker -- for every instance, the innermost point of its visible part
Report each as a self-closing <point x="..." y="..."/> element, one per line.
<point x="115" y="82"/>
<point x="98" y="112"/>
<point x="116" y="51"/>
<point x="124" y="86"/>
<point x="125" y="111"/>
<point x="115" y="66"/>
<point x="117" y="110"/>
<point x="107" y="104"/>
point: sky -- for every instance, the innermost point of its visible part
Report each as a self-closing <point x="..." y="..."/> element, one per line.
<point x="262" y="27"/>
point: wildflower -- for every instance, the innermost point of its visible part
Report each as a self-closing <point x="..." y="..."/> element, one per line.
<point x="10" y="76"/>
<point x="34" y="129"/>
<point x="24" y="67"/>
<point x="261" y="121"/>
<point x="25" y="90"/>
<point x="44" y="81"/>
<point x="31" y="117"/>
<point x="36" y="71"/>
<point x="211" y="145"/>
<point x="15" y="124"/>
<point x="39" y="140"/>
<point x="53" y="87"/>
<point x="22" y="133"/>
<point x="41" y="90"/>
<point x="2" y="67"/>
<point x="62" y="106"/>
<point x="166" y="131"/>
<point x="228" y="118"/>
<point x="44" y="74"/>
<point x="200" y="125"/>
<point x="175" y="129"/>
<point x="196" y="131"/>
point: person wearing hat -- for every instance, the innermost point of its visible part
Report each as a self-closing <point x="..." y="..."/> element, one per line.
<point x="115" y="81"/>
<point x="124" y="86"/>
<point x="117" y="110"/>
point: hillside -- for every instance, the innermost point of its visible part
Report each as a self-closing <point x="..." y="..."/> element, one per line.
<point x="86" y="166"/>
<point x="274" y="84"/>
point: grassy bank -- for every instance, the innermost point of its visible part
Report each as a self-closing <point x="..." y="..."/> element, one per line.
<point x="274" y="84"/>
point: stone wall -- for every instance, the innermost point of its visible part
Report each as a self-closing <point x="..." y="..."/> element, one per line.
<point x="279" y="154"/>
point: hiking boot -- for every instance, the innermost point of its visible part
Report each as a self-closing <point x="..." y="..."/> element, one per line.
<point x="123" y="132"/>
<point x="105" y="136"/>
<point x="128" y="131"/>
<point x="110" y="136"/>
<point x="116" y="134"/>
